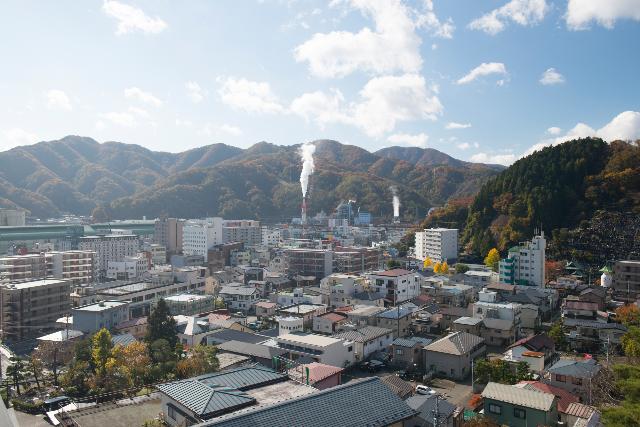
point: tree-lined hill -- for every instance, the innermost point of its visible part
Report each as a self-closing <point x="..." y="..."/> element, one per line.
<point x="78" y="174"/>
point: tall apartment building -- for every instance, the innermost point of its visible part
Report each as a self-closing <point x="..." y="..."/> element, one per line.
<point x="397" y="285"/>
<point x="356" y="259"/>
<point x="626" y="280"/>
<point x="438" y="244"/>
<point x="244" y="230"/>
<point x="525" y="263"/>
<point x="198" y="235"/>
<point x="309" y="262"/>
<point x="31" y="307"/>
<point x="168" y="233"/>
<point x="75" y="266"/>
<point x="110" y="247"/>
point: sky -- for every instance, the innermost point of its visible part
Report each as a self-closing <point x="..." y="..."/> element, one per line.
<point x="481" y="80"/>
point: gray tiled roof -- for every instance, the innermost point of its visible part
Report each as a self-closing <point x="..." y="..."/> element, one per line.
<point x="573" y="368"/>
<point x="457" y="343"/>
<point x="238" y="290"/>
<point x="224" y="335"/>
<point x="250" y="349"/>
<point x="365" y="334"/>
<point x="519" y="396"/>
<point x="395" y="313"/>
<point x="426" y="404"/>
<point x="501" y="324"/>
<point x="411" y="341"/>
<point x="206" y="400"/>
<point x="245" y="378"/>
<point x="570" y="322"/>
<point x="368" y="402"/>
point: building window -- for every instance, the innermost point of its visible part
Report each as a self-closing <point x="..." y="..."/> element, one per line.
<point x="495" y="409"/>
<point x="519" y="413"/>
<point x="577" y="381"/>
<point x="172" y="412"/>
<point x="561" y="378"/>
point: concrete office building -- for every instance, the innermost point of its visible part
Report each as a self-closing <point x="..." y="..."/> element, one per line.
<point x="243" y="230"/>
<point x="104" y="314"/>
<point x="199" y="235"/>
<point x="131" y="268"/>
<point x="525" y="263"/>
<point x="309" y="262"/>
<point x="29" y="308"/>
<point x="438" y="244"/>
<point x="168" y="233"/>
<point x="110" y="247"/>
<point x="626" y="280"/>
<point x="12" y="217"/>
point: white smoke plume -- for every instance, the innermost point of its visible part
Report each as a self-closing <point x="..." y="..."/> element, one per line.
<point x="306" y="153"/>
<point x="396" y="202"/>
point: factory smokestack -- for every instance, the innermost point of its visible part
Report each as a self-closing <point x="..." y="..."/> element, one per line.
<point x="396" y="203"/>
<point x="306" y="154"/>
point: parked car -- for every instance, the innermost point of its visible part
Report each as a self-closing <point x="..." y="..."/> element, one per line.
<point x="375" y="365"/>
<point x="423" y="389"/>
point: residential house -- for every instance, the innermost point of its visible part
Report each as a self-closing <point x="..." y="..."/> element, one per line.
<point x="400" y="387"/>
<point x="397" y="319"/>
<point x="239" y="297"/>
<point x="104" y="314"/>
<point x="590" y="335"/>
<point x="328" y="350"/>
<point x="451" y="356"/>
<point x="136" y="327"/>
<point x="564" y="397"/>
<point x="363" y="315"/>
<point x="537" y="350"/>
<point x="367" y="340"/>
<point x="575" y="376"/>
<point x="594" y="294"/>
<point x="305" y="311"/>
<point x="449" y="415"/>
<point x="578" y="414"/>
<point x="317" y="375"/>
<point x="329" y="323"/>
<point x="406" y="353"/>
<point x="579" y="310"/>
<point x="265" y="309"/>
<point x="398" y="284"/>
<point x="519" y="407"/>
<point x="450" y="314"/>
<point x="366" y="402"/>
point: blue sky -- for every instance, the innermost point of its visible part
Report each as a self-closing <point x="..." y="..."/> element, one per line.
<point x="483" y="80"/>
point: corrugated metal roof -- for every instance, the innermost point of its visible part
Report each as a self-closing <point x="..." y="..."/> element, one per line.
<point x="519" y="396"/>
<point x="580" y="410"/>
<point x="365" y="334"/>
<point x="367" y="402"/>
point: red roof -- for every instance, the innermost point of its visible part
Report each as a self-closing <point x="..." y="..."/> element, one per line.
<point x="317" y="372"/>
<point x="564" y="397"/>
<point x="535" y="342"/>
<point x="266" y="304"/>
<point x="334" y="317"/>
<point x="393" y="273"/>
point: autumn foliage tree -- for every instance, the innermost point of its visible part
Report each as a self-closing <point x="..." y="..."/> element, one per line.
<point x="628" y="315"/>
<point x="492" y="259"/>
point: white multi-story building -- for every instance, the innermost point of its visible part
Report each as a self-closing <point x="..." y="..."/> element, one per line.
<point x="198" y="235"/>
<point x="244" y="230"/>
<point x="132" y="267"/>
<point x="75" y="266"/>
<point x="397" y="285"/>
<point x="525" y="263"/>
<point x="271" y="236"/>
<point x="438" y="244"/>
<point x="328" y="350"/>
<point x="111" y="247"/>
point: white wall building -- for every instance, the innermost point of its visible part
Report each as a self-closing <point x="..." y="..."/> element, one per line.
<point x="198" y="235"/>
<point x="132" y="267"/>
<point x="438" y="244"/>
<point x="397" y="285"/>
<point x="111" y="247"/>
<point x="525" y="263"/>
<point x="243" y="230"/>
<point x="327" y="350"/>
<point x="271" y="237"/>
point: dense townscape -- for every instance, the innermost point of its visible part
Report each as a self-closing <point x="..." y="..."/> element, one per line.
<point x="345" y="213"/>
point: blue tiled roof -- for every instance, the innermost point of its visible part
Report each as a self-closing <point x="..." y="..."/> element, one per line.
<point x="394" y="313"/>
<point x="224" y="335"/>
<point x="206" y="400"/>
<point x="578" y="369"/>
<point x="245" y="378"/>
<point x="368" y="402"/>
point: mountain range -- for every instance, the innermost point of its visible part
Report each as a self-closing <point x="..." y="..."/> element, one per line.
<point x="78" y="175"/>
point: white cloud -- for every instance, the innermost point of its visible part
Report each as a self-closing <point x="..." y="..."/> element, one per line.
<point x="500" y="159"/>
<point x="15" y="137"/>
<point x="624" y="126"/>
<point x="231" y="130"/>
<point x="580" y="13"/>
<point x="392" y="46"/>
<point x="464" y="146"/>
<point x="430" y="21"/>
<point x="58" y="100"/>
<point x="419" y="140"/>
<point x="551" y="77"/>
<point x="131" y="19"/>
<point x="321" y="107"/>
<point x="484" y="69"/>
<point x="455" y="125"/>
<point x="139" y="112"/>
<point x="120" y="119"/>
<point x="554" y="130"/>
<point x="184" y="123"/>
<point x="142" y="96"/>
<point x="195" y="92"/>
<point x="387" y="100"/>
<point x="249" y="96"/>
<point x="522" y="12"/>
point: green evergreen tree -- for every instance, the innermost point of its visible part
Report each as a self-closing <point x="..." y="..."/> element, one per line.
<point x="161" y="325"/>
